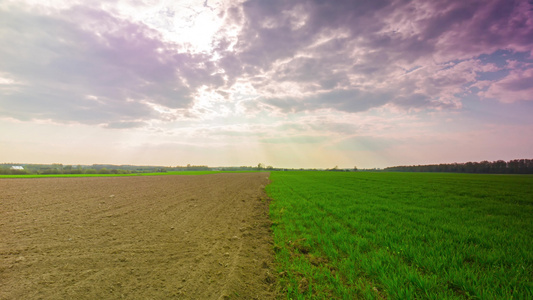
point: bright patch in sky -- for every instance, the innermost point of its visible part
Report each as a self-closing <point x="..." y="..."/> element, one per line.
<point x="284" y="83"/>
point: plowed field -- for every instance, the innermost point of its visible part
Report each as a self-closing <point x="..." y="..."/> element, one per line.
<point x="146" y="237"/>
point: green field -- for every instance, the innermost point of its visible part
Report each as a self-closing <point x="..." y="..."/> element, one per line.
<point x="403" y="235"/>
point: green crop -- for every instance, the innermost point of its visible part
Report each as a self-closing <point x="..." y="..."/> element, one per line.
<point x="362" y="235"/>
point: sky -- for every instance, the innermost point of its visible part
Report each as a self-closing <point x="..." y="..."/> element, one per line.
<point x="296" y="84"/>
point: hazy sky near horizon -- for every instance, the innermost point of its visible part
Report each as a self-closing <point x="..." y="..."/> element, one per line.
<point x="297" y="83"/>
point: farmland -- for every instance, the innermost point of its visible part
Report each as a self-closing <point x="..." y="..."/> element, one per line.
<point x="403" y="235"/>
<point x="136" y="237"/>
<point x="342" y="235"/>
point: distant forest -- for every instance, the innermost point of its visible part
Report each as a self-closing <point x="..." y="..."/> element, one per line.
<point x="516" y="166"/>
<point x="46" y="169"/>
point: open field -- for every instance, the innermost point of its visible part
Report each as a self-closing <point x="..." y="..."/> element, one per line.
<point x="336" y="235"/>
<point x="137" y="237"/>
<point x="403" y="235"/>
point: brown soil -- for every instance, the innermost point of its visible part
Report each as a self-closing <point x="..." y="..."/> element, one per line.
<point x="146" y="237"/>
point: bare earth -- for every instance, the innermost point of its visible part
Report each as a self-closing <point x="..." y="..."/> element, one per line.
<point x="145" y="237"/>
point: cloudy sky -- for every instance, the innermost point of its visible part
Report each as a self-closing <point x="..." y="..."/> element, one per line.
<point x="299" y="83"/>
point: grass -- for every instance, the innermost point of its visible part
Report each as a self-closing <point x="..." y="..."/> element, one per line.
<point x="403" y="235"/>
<point x="113" y="175"/>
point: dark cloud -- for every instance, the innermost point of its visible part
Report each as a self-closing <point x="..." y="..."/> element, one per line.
<point x="87" y="66"/>
<point x="279" y="29"/>
<point x="42" y="102"/>
<point x="330" y="49"/>
<point x="456" y="29"/>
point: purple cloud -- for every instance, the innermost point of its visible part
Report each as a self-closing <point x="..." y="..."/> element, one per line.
<point x="517" y="86"/>
<point x="361" y="50"/>
<point x="88" y="66"/>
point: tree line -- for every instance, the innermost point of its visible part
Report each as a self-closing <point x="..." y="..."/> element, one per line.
<point x="515" y="166"/>
<point x="47" y="169"/>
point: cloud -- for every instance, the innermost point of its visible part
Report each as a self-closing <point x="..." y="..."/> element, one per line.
<point x="102" y="66"/>
<point x="450" y="30"/>
<point x="124" y="125"/>
<point x="352" y="55"/>
<point x="342" y="100"/>
<point x="434" y="86"/>
<point x="517" y="86"/>
<point x="85" y="65"/>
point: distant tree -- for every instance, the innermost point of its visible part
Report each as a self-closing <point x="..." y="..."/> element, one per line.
<point x="516" y="166"/>
<point x="103" y="171"/>
<point x="76" y="171"/>
<point x="67" y="169"/>
<point x="91" y="171"/>
<point x="499" y="166"/>
<point x="18" y="172"/>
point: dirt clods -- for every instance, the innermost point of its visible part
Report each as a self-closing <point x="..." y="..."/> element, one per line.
<point x="145" y="237"/>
